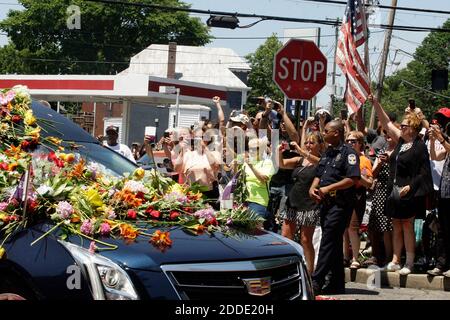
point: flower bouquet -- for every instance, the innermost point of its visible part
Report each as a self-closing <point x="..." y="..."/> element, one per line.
<point x="78" y="199"/>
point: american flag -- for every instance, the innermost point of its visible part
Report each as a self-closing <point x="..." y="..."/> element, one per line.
<point x="352" y="34"/>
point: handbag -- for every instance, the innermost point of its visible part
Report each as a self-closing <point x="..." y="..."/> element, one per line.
<point x="394" y="197"/>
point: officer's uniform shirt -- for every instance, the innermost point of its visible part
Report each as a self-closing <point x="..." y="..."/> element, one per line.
<point x="337" y="164"/>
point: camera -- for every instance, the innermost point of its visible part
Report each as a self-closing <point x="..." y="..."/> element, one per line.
<point x="344" y="114"/>
<point x="166" y="134"/>
<point x="412" y="103"/>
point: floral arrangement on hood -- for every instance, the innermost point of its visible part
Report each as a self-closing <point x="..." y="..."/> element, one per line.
<point x="77" y="199"/>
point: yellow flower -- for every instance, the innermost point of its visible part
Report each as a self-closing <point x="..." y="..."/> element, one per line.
<point x="29" y="118"/>
<point x="176" y="188"/>
<point x="139" y="173"/>
<point x="93" y="198"/>
<point x="54" y="140"/>
<point x="35" y="132"/>
<point x="2" y="253"/>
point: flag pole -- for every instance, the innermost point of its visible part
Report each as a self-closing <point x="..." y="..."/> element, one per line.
<point x="387" y="42"/>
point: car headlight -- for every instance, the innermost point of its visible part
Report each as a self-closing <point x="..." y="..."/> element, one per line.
<point x="107" y="279"/>
<point x="307" y="290"/>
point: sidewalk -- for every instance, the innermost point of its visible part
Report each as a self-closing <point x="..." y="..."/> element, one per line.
<point x="393" y="279"/>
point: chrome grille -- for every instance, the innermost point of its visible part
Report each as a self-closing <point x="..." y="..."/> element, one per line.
<point x="224" y="280"/>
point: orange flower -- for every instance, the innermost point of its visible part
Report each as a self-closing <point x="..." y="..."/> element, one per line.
<point x="14" y="151"/>
<point x="127" y="231"/>
<point x="75" y="219"/>
<point x="161" y="239"/>
<point x="12" y="166"/>
<point x="129" y="198"/>
<point x="78" y="169"/>
<point x="200" y="228"/>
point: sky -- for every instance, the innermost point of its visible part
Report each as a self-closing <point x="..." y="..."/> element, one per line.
<point x="255" y="36"/>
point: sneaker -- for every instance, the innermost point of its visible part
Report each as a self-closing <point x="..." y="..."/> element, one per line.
<point x="405" y="271"/>
<point x="355" y="264"/>
<point x="391" y="267"/>
<point x="446" y="274"/>
<point x="435" y="272"/>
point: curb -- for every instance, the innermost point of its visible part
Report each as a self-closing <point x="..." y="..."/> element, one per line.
<point x="377" y="278"/>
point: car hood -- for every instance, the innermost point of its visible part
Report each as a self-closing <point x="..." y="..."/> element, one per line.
<point x="190" y="248"/>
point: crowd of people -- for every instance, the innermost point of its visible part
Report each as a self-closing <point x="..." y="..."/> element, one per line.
<point x="322" y="177"/>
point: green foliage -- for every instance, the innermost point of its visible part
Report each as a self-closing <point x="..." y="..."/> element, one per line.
<point x="260" y="78"/>
<point x="108" y="33"/>
<point x="433" y="53"/>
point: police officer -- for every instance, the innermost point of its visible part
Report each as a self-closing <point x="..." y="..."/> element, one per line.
<point x="336" y="174"/>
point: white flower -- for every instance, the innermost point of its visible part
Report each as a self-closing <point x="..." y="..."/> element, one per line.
<point x="42" y="190"/>
<point x="135" y="187"/>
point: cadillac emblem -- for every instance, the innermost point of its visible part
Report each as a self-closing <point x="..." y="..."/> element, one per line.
<point x="258" y="286"/>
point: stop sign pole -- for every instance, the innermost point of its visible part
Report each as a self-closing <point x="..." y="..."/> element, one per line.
<point x="300" y="69"/>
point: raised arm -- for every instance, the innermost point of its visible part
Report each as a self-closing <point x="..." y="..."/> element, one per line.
<point x="220" y="115"/>
<point x="290" y="128"/>
<point x="360" y="125"/>
<point x="286" y="163"/>
<point x="393" y="131"/>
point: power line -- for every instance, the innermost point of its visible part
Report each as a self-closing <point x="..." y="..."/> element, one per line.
<point x="385" y="7"/>
<point x="426" y="90"/>
<point x="264" y="17"/>
<point x="128" y="62"/>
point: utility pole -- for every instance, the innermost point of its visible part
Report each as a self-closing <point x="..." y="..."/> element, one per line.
<point x="333" y="76"/>
<point x="387" y="42"/>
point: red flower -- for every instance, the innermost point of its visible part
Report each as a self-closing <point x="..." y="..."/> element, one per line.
<point x="131" y="214"/>
<point x="173" y="215"/>
<point x="149" y="210"/>
<point x="16" y="118"/>
<point x="155" y="214"/>
<point x="32" y="205"/>
<point x="188" y="209"/>
<point x="4" y="166"/>
<point x="212" y="221"/>
<point x="52" y="156"/>
<point x="25" y="144"/>
<point x="140" y="195"/>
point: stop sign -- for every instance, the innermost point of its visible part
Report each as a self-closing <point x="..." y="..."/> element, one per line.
<point x="300" y="69"/>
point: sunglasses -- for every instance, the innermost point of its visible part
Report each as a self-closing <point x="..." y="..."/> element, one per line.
<point x="352" y="141"/>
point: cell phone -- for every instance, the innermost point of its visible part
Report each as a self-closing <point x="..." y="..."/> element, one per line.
<point x="412" y="103"/>
<point x="344" y="114"/>
<point x="166" y="134"/>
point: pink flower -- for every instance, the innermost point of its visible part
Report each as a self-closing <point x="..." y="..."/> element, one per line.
<point x="64" y="209"/>
<point x="87" y="227"/>
<point x="92" y="247"/>
<point x="3" y="206"/>
<point x="111" y="215"/>
<point x="105" y="229"/>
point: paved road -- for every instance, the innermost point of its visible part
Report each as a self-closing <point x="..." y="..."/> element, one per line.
<point x="359" y="291"/>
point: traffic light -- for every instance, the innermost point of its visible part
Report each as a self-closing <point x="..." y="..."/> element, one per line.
<point x="229" y="22"/>
<point x="439" y="80"/>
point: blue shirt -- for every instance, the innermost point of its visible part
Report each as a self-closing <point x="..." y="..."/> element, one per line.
<point x="337" y="164"/>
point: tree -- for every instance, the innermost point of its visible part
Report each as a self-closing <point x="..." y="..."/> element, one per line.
<point x="433" y="53"/>
<point x="109" y="35"/>
<point x="260" y="78"/>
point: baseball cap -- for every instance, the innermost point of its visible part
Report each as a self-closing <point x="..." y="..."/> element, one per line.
<point x="112" y="128"/>
<point x="444" y="111"/>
